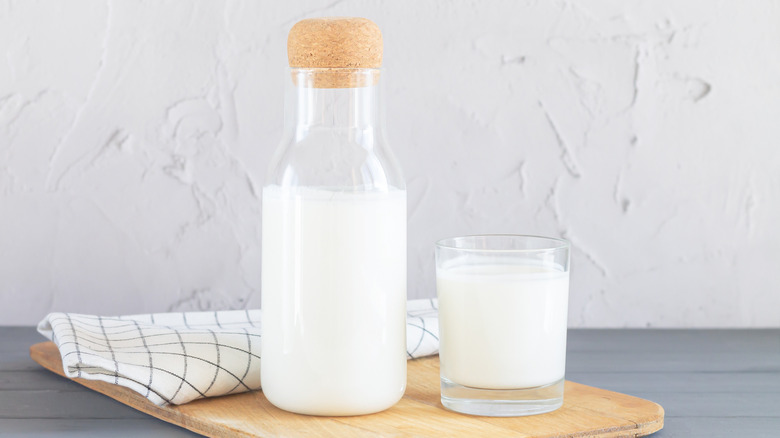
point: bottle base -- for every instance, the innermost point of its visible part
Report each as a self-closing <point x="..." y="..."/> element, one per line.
<point x="501" y="402"/>
<point x="333" y="408"/>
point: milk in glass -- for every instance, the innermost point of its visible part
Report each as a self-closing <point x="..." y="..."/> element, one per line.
<point x="503" y="325"/>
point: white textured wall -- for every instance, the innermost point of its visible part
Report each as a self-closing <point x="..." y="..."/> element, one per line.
<point x="134" y="139"/>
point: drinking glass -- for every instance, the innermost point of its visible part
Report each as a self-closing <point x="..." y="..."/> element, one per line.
<point x="503" y="302"/>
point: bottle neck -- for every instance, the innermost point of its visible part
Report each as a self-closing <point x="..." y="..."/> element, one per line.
<point x="333" y="99"/>
<point x="334" y="133"/>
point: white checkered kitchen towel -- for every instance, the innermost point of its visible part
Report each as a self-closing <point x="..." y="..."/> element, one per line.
<point x="174" y="358"/>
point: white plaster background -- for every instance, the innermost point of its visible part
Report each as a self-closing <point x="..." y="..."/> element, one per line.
<point x="134" y="139"/>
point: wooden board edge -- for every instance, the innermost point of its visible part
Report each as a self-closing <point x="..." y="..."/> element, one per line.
<point x="655" y="424"/>
<point x="650" y="423"/>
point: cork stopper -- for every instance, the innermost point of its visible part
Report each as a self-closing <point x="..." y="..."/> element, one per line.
<point x="335" y="44"/>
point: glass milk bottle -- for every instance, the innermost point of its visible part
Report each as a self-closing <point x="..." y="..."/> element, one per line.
<point x="334" y="232"/>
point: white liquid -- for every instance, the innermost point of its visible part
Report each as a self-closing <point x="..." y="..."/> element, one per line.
<point x="333" y="300"/>
<point x="502" y="326"/>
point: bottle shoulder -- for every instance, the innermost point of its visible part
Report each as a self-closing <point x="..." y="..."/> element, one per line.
<point x="328" y="159"/>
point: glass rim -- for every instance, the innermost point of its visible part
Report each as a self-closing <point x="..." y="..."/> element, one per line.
<point x="449" y="243"/>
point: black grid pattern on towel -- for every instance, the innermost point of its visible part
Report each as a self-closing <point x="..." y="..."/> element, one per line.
<point x="168" y="358"/>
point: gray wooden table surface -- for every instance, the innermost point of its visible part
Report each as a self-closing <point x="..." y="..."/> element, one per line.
<point x="710" y="382"/>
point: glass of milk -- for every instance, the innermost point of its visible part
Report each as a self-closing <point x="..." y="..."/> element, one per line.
<point x="503" y="302"/>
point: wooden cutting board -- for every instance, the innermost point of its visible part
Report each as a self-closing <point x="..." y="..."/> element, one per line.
<point x="586" y="412"/>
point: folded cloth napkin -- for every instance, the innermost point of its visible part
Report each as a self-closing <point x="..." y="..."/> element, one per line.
<point x="174" y="358"/>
